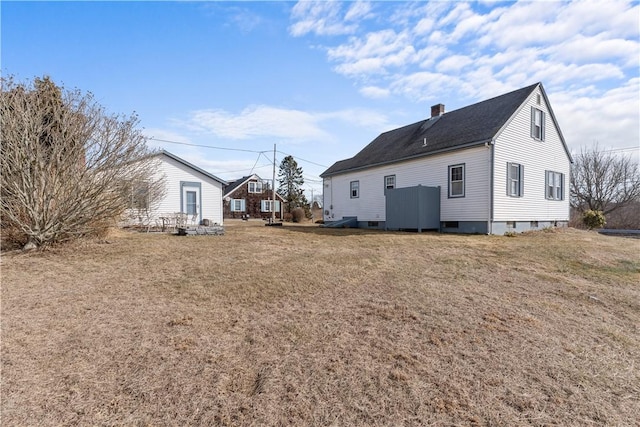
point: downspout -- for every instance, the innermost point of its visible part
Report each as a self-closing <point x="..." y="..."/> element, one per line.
<point x="491" y="145"/>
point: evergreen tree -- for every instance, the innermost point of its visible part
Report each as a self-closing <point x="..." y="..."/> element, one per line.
<point x="291" y="180"/>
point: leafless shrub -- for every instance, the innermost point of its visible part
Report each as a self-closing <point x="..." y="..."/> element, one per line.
<point x="66" y="163"/>
<point x="603" y="181"/>
<point x="298" y="214"/>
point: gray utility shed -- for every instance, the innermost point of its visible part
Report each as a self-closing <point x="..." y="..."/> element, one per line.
<point x="413" y="208"/>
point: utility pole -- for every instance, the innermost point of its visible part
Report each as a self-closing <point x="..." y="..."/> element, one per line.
<point x="273" y="189"/>
<point x="311" y="207"/>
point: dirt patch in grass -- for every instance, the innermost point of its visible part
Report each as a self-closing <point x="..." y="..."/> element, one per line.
<point x="299" y="325"/>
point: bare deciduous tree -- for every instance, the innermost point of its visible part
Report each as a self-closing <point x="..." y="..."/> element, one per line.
<point x="602" y="181"/>
<point x="65" y="162"/>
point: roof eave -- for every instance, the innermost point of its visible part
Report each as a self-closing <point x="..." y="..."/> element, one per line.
<point x="192" y="166"/>
<point x="403" y="159"/>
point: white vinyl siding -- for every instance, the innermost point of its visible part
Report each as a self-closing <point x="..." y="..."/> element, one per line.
<point x="429" y="171"/>
<point x="209" y="199"/>
<point x="515" y="145"/>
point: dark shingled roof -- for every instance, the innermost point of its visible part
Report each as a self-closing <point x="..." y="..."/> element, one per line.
<point x="467" y="126"/>
<point x="232" y="185"/>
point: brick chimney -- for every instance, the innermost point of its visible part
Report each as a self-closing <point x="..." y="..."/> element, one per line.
<point x="437" y="110"/>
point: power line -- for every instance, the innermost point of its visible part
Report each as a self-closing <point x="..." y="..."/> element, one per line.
<point x="205" y="146"/>
<point x="299" y="158"/>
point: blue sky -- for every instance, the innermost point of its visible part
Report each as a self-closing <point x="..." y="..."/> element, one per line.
<point x="322" y="79"/>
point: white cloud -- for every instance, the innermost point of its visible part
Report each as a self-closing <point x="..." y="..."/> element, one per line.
<point x="374" y="53"/>
<point x="374" y="92"/>
<point x="258" y="121"/>
<point x="292" y="126"/>
<point x="319" y="17"/>
<point x="438" y="51"/>
<point x="609" y="117"/>
<point x="454" y="63"/>
<point x="358" y="10"/>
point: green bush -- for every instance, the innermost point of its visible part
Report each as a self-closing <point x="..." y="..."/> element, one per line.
<point x="593" y="219"/>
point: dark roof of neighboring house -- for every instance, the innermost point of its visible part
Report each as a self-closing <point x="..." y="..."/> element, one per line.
<point x="468" y="126"/>
<point x="194" y="167"/>
<point x="234" y="185"/>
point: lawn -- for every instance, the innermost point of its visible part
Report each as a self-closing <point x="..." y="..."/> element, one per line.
<point x="297" y="325"/>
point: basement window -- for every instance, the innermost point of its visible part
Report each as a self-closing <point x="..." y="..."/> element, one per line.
<point x="450" y="224"/>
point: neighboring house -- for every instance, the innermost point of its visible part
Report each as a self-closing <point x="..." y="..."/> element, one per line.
<point x="496" y="166"/>
<point x="187" y="189"/>
<point x="250" y="197"/>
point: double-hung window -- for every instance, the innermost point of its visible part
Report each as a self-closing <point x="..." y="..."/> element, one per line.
<point x="515" y="180"/>
<point x="267" y="206"/>
<point x="456" y="181"/>
<point x="554" y="185"/>
<point x="355" y="189"/>
<point x="537" y="124"/>
<point x="389" y="183"/>
<point x="237" y="205"/>
<point x="255" y="187"/>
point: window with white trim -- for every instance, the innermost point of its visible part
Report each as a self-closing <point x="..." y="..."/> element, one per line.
<point x="139" y="195"/>
<point x="389" y="183"/>
<point x="267" y="206"/>
<point x="537" y="124"/>
<point x="355" y="189"/>
<point x="456" y="181"/>
<point x="237" y="205"/>
<point x="255" y="187"/>
<point x="515" y="180"/>
<point x="554" y="185"/>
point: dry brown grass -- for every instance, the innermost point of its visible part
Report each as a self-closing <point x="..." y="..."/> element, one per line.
<point x="306" y="326"/>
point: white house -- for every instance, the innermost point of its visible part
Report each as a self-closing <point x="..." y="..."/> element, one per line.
<point x="495" y="166"/>
<point x="187" y="189"/>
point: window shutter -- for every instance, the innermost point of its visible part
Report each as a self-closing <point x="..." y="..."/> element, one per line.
<point x="561" y="186"/>
<point x="533" y="122"/>
<point x="508" y="179"/>
<point x="521" y="180"/>
<point x="546" y="184"/>
<point x="542" y="125"/>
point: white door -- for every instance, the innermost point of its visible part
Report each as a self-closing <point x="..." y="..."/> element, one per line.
<point x="192" y="202"/>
